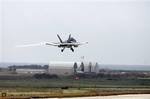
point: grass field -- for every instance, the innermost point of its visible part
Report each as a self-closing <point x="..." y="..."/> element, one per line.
<point x="69" y="87"/>
<point x="70" y="82"/>
<point x="71" y="92"/>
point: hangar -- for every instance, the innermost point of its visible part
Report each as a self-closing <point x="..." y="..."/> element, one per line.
<point x="71" y="68"/>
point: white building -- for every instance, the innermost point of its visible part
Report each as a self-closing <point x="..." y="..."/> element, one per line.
<point x="70" y="68"/>
<point x="61" y="68"/>
<point x="30" y="71"/>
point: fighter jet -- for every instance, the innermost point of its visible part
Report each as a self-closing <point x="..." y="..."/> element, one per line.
<point x="70" y="43"/>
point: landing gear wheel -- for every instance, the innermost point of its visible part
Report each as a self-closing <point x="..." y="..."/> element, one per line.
<point x="72" y="49"/>
<point x="62" y="49"/>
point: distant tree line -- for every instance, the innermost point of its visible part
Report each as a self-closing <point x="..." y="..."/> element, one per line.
<point x="114" y="74"/>
<point x="44" y="76"/>
<point x="14" y="67"/>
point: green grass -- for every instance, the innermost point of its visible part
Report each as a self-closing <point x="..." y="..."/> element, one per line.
<point x="89" y="83"/>
<point x="32" y="87"/>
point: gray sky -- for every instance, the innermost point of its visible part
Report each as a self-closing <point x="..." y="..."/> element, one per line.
<point x="118" y="32"/>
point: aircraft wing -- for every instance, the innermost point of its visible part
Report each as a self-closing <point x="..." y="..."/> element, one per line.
<point x="52" y="44"/>
<point x="39" y="44"/>
<point x="82" y="43"/>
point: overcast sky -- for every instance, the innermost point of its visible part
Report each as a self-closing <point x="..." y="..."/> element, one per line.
<point x="118" y="32"/>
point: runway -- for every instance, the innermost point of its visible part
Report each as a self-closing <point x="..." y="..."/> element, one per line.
<point x="132" y="96"/>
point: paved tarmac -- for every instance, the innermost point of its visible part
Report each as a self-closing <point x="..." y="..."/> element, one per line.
<point x="131" y="96"/>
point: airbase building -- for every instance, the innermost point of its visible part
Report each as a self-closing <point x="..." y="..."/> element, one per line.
<point x="71" y="68"/>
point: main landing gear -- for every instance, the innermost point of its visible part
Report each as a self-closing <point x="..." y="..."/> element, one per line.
<point x="70" y="49"/>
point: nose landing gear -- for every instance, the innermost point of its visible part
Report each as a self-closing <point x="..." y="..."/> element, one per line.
<point x="62" y="49"/>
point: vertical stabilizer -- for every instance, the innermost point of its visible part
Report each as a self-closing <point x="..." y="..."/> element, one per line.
<point x="59" y="38"/>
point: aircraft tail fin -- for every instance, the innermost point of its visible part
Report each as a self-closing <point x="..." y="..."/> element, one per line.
<point x="59" y="38"/>
<point x="69" y="36"/>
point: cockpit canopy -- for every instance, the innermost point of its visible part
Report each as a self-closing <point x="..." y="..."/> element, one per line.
<point x="71" y="40"/>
